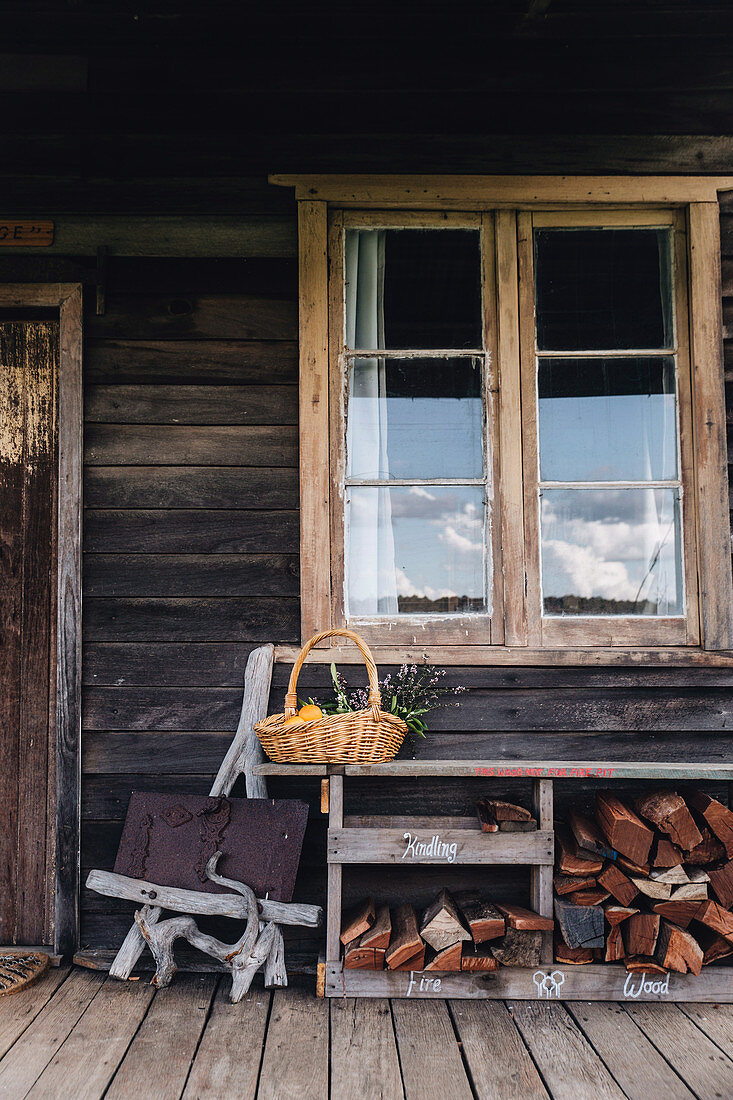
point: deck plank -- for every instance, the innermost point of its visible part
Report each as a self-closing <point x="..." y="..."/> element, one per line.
<point x="20" y="1010"/>
<point x="698" y="1061"/>
<point x="159" y="1058"/>
<point x="86" y="1061"/>
<point x="228" y="1059"/>
<point x="364" y="1060"/>
<point x="29" y="1056"/>
<point x="568" y="1064"/>
<point x="295" y="1062"/>
<point x="501" y="1069"/>
<point x="431" y="1063"/>
<point x="716" y="1021"/>
<point x="613" y="1034"/>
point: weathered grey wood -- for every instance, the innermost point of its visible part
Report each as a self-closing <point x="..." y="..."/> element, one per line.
<point x="540" y="880"/>
<point x="109" y="1024"/>
<point x="573" y="983"/>
<point x="364" y="1059"/>
<point x="422" y="1028"/>
<point x="395" y="846"/>
<point x="20" y="1010"/>
<point x="295" y="1060"/>
<point x="530" y="769"/>
<point x="408" y="821"/>
<point x="193" y="901"/>
<point x="245" y="750"/>
<point x="698" y="1061"/>
<point x="227" y="1060"/>
<point x="335" y="873"/>
<point x="567" y="1062"/>
<point x="613" y="1035"/>
<point x="716" y="1021"/>
<point x="500" y="1069"/>
<point x="133" y="943"/>
<point x="159" y="1057"/>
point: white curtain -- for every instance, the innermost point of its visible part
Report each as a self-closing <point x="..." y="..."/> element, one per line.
<point x="372" y="585"/>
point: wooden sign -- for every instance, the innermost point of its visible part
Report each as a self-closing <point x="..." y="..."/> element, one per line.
<point x="25" y="234"/>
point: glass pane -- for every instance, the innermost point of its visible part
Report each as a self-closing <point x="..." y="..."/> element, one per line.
<point x="603" y="289"/>
<point x="415" y="550"/>
<point x="412" y="288"/>
<point x="607" y="419"/>
<point x="611" y="552"/>
<point x="412" y="418"/>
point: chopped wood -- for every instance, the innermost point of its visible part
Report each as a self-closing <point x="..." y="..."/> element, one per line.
<point x="415" y="962"/>
<point x="675" y="876"/>
<point x="447" y="959"/>
<point x="378" y="936"/>
<point x="709" y="851"/>
<point x="615" y="914"/>
<point x="678" y="912"/>
<point x="613" y="879"/>
<point x="484" y="920"/>
<point x="677" y="950"/>
<point x="718" y="817"/>
<point x="572" y="956"/>
<point x="478" y="958"/>
<point x="525" y="920"/>
<point x="379" y="954"/>
<point x="566" y="884"/>
<point x="569" y="861"/>
<point x="638" y="963"/>
<point x="517" y="826"/>
<point x="698" y="874"/>
<point x="357" y="920"/>
<point x="615" y="950"/>
<point x="693" y="891"/>
<point x="640" y="933"/>
<point x="588" y="836"/>
<point x="721" y="881"/>
<point x="666" y="853"/>
<point x="659" y="891"/>
<point x="632" y="868"/>
<point x="716" y="918"/>
<point x="625" y="831"/>
<point x="359" y="958"/>
<point x="581" y="925"/>
<point x="588" y="897"/>
<point x="405" y="941"/>
<point x="518" y="948"/>
<point x="714" y="947"/>
<point x="486" y="819"/>
<point x="506" y="811"/>
<point x="441" y="924"/>
<point x="669" y="813"/>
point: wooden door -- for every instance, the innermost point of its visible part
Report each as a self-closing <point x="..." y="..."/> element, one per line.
<point x="29" y="355"/>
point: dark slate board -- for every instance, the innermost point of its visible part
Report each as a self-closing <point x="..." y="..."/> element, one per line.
<point x="168" y="838"/>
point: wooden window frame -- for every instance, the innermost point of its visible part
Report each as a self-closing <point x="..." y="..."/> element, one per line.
<point x="509" y="205"/>
<point x="67" y="299"/>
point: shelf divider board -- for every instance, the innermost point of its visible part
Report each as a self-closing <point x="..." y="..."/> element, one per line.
<point x="511" y="769"/>
<point x="447" y="846"/>
<point x="540" y="884"/>
<point x="335" y="874"/>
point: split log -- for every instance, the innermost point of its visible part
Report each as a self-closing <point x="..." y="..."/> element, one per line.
<point x="378" y="936"/>
<point x="717" y="919"/>
<point x="713" y="946"/>
<point x="615" y="950"/>
<point x="615" y="914"/>
<point x="570" y="861"/>
<point x="405" y="941"/>
<point x="631" y="868"/>
<point x="506" y="811"/>
<point x="675" y="876"/>
<point x="623" y="829"/>
<point x="441" y="924"/>
<point x="658" y="891"/>
<point x="669" y="813"/>
<point x="357" y="921"/>
<point x="692" y="891"/>
<point x="678" y="912"/>
<point x="677" y="950"/>
<point x="718" y="817"/>
<point x="581" y="925"/>
<point x="359" y="958"/>
<point x="573" y="956"/>
<point x="415" y="962"/>
<point x="567" y="884"/>
<point x="447" y="959"/>
<point x="613" y="879"/>
<point x="518" y="826"/>
<point x="588" y="897"/>
<point x="484" y="920"/>
<point x="478" y="958"/>
<point x="486" y="819"/>
<point x="644" y="964"/>
<point x="525" y="920"/>
<point x="709" y="851"/>
<point x="721" y="881"/>
<point x="589" y="837"/>
<point x="640" y="933"/>
<point x="666" y="854"/>
<point x="518" y="948"/>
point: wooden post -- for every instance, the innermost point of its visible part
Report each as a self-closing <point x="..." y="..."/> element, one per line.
<point x="333" y="912"/>
<point x="541" y="875"/>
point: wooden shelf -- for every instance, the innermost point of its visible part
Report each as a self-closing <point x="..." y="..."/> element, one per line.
<point x="421" y="845"/>
<point x="508" y="769"/>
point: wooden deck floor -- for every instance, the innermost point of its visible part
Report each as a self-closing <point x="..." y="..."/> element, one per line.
<point x="81" y="1036"/>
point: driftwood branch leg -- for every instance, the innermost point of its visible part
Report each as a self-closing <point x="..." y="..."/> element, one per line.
<point x="276" y="976"/>
<point x="133" y="944"/>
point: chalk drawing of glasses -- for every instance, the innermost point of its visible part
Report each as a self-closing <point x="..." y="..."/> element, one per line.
<point x="548" y="985"/>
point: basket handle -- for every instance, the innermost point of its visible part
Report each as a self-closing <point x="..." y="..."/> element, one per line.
<point x="374" y="699"/>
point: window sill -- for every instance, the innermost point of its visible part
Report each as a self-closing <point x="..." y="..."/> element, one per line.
<point x="490" y="656"/>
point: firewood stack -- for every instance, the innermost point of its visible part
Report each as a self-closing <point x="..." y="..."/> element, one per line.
<point x="650" y="886"/>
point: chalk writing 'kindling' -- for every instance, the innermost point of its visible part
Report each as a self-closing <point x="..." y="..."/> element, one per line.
<point x="435" y="848"/>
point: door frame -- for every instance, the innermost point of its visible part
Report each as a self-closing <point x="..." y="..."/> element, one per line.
<point x="67" y="298"/>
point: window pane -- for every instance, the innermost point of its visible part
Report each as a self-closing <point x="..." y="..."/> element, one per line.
<point x="415" y="550"/>
<point x="611" y="552"/>
<point x="603" y="289"/>
<point x="415" y="418"/>
<point x="607" y="419"/>
<point x="413" y="288"/>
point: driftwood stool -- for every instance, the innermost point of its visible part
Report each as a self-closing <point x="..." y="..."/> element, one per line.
<point x="262" y="942"/>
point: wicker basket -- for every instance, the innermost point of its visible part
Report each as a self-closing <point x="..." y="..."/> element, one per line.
<point x="360" y="737"/>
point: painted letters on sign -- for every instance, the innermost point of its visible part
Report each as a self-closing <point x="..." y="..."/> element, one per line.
<point x="21" y="234"/>
<point x="658" y="986"/>
<point x="435" y="848"/>
<point x="423" y="984"/>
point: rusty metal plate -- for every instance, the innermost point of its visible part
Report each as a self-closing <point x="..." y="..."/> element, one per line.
<point x="169" y="838"/>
